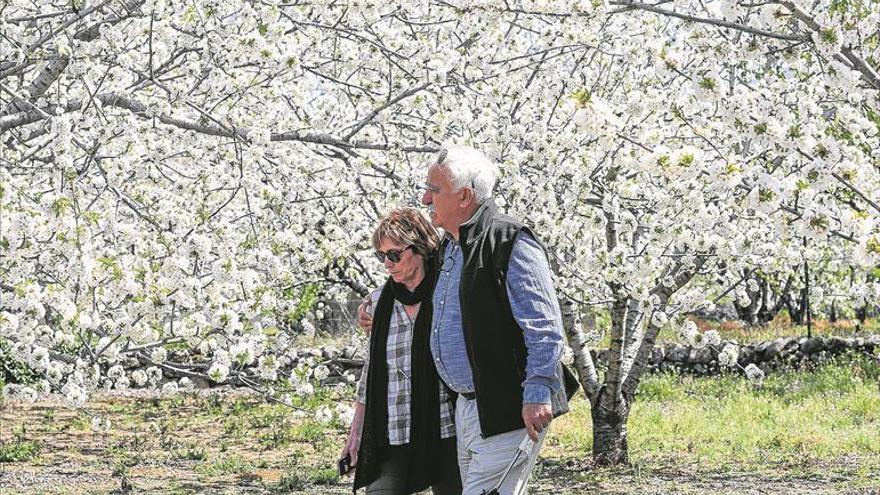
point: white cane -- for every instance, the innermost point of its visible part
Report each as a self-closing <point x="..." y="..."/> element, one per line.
<point x="525" y="447"/>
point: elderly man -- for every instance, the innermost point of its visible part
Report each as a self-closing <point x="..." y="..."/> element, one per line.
<point x="496" y="334"/>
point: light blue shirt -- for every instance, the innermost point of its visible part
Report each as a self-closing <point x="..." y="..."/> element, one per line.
<point x="534" y="306"/>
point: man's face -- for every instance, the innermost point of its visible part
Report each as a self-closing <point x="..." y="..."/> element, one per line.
<point x="444" y="204"/>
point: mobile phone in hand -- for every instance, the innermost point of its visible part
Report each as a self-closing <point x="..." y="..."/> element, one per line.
<point x="345" y="465"/>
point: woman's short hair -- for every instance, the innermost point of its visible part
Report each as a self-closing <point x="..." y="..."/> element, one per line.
<point x="407" y="227"/>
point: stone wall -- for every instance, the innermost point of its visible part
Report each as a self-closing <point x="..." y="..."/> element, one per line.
<point x="790" y="352"/>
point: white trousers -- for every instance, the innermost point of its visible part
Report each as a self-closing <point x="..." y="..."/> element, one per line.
<point x="483" y="461"/>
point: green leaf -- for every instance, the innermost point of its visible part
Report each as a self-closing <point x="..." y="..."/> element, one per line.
<point x="582" y="97"/>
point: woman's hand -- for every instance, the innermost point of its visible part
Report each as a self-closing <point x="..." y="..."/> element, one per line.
<point x="365" y="318"/>
<point x="353" y="445"/>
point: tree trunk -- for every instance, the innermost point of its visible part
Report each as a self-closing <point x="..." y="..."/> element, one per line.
<point x="795" y="308"/>
<point x="609" y="431"/>
<point x="583" y="362"/>
<point x="862" y="313"/>
<point x="769" y="303"/>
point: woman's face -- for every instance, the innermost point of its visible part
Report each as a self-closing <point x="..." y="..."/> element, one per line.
<point x="410" y="270"/>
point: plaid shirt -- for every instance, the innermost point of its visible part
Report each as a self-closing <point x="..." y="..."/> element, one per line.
<point x="399" y="357"/>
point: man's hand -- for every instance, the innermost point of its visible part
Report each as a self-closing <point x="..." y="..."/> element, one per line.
<point x="536" y="417"/>
<point x="365" y="319"/>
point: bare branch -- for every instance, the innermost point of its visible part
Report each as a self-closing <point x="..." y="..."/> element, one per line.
<point x="630" y="5"/>
<point x="870" y="74"/>
<point x="369" y="118"/>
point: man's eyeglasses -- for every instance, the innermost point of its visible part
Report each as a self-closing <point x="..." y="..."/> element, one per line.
<point x="392" y="255"/>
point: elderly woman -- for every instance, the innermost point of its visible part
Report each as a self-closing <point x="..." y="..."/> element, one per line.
<point x="402" y="439"/>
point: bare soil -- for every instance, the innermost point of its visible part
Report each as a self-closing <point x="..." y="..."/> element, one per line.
<point x="190" y="446"/>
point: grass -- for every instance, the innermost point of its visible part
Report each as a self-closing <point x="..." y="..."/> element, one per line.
<point x="224" y="465"/>
<point x="792" y="419"/>
<point x="296" y="477"/>
<point x="19" y="450"/>
<point x="818" y="425"/>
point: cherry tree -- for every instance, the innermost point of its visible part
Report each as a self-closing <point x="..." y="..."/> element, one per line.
<point x="176" y="176"/>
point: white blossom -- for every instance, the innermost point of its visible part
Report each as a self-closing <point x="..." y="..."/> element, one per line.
<point x="651" y="166"/>
<point x="101" y="424"/>
<point x="321" y="373"/>
<point x="218" y="372"/>
<point x="753" y="373"/>
<point x="344" y="414"/>
<point x="728" y="356"/>
<point x="324" y="414"/>
<point x="159" y="355"/>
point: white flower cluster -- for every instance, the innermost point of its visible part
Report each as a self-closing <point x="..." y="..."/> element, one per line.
<point x="216" y="212"/>
<point x="729" y="355"/>
<point x="754" y="373"/>
<point x="219" y="369"/>
<point x="324" y="414"/>
<point x="101" y="424"/>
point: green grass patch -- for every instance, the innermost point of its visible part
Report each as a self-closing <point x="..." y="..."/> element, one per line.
<point x="298" y="476"/>
<point x="820" y="425"/>
<point x="325" y="476"/>
<point x="19" y="450"/>
<point x="309" y="431"/>
<point x="226" y="465"/>
<point x="792" y="418"/>
<point x="190" y="452"/>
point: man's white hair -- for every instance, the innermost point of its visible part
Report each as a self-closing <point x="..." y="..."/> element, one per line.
<point x="468" y="167"/>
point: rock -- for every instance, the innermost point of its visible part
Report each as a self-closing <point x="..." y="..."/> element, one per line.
<point x="701" y="356"/>
<point x="747" y="355"/>
<point x="769" y="350"/>
<point x="700" y="369"/>
<point x="657" y="355"/>
<point x="310" y="352"/>
<point x="721" y="312"/>
<point x="330" y="353"/>
<point x="811" y="346"/>
<point x="836" y="345"/>
<point x="677" y="353"/>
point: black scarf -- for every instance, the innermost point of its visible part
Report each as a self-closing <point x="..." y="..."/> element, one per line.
<point x="425" y="404"/>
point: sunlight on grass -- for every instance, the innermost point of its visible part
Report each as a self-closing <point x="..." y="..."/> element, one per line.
<point x="224" y="465"/>
<point x="819" y="416"/>
<point x="19" y="450"/>
<point x="821" y="423"/>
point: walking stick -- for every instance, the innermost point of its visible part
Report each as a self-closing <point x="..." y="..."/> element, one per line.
<point x="525" y="447"/>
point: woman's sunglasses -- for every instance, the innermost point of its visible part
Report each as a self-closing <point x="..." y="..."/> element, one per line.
<point x="393" y="255"/>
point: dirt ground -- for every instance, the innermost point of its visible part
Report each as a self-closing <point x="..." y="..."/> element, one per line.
<point x="183" y="448"/>
<point x="95" y="477"/>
